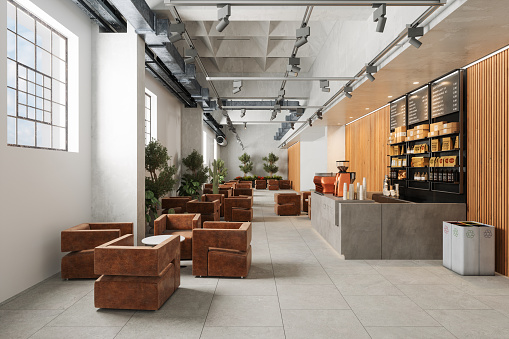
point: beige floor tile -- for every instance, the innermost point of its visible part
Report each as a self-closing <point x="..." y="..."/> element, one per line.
<point x="76" y="333"/>
<point x="244" y="311"/>
<point x="475" y="324"/>
<point x="155" y="325"/>
<point x="310" y="297"/>
<point x="243" y="332"/>
<point x="365" y="284"/>
<point x="24" y="323"/>
<point x="409" y="333"/>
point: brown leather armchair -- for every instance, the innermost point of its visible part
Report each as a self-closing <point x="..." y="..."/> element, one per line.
<point x="222" y="249"/>
<point x="177" y="203"/>
<point x="179" y="224"/>
<point x="285" y="184"/>
<point x="208" y="186"/>
<point x="81" y="240"/>
<point x="287" y="203"/>
<point x="273" y="185"/>
<point x="212" y="197"/>
<point x="260" y="184"/>
<point x="242" y="191"/>
<point x="238" y="209"/>
<point x="305" y="200"/>
<point x="209" y="210"/>
<point x="136" y="277"/>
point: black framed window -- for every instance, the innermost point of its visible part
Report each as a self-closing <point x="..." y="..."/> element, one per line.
<point x="36" y="82"/>
<point x="148" y="118"/>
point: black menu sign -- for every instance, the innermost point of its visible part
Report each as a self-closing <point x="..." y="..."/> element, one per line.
<point x="445" y="95"/>
<point x="418" y="106"/>
<point x="398" y="113"/>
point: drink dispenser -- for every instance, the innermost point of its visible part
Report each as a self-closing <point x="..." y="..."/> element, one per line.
<point x="343" y="177"/>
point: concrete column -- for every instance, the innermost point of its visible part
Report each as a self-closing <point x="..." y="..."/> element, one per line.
<point x="118" y="146"/>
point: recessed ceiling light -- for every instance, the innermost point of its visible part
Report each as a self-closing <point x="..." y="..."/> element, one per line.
<point x="390" y="96"/>
<point x="367" y="107"/>
<point x="416" y="82"/>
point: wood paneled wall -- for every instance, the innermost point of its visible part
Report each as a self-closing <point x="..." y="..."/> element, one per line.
<point x="294" y="165"/>
<point x="488" y="149"/>
<point x="366" y="148"/>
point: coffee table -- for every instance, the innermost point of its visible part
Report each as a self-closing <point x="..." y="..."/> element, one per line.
<point x="157" y="239"/>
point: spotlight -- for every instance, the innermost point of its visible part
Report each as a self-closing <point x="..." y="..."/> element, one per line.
<point x="178" y="30"/>
<point x="242" y="112"/>
<point x="369" y="72"/>
<point x="379" y="16"/>
<point x="302" y="35"/>
<point x="348" y="91"/>
<point x="370" y="77"/>
<point x="223" y="13"/>
<point x="237" y="86"/>
<point x="293" y="66"/>
<point x="413" y="33"/>
<point x="245" y="125"/>
<point x="324" y="85"/>
<point x="310" y="122"/>
<point x="191" y="55"/>
<point x="348" y="95"/>
<point x="273" y="115"/>
<point x="319" y="115"/>
<point x="293" y="125"/>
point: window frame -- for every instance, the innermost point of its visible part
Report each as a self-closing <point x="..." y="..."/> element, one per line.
<point x="17" y="90"/>
<point x="147" y="95"/>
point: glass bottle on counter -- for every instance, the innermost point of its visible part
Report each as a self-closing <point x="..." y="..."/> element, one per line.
<point x="440" y="175"/>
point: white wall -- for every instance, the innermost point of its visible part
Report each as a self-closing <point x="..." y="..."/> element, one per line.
<point x="43" y="192"/>
<point x="169" y="118"/>
<point x="335" y="146"/>
<point x="313" y="155"/>
<point x="192" y="131"/>
<point x="118" y="139"/>
<point x="258" y="141"/>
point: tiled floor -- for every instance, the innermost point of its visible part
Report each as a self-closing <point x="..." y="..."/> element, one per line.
<point x="298" y="287"/>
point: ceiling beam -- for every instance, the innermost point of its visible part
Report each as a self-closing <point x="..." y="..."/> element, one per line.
<point x="305" y="2"/>
<point x="262" y="108"/>
<point x="281" y="78"/>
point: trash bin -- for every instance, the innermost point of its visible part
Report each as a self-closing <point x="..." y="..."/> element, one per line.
<point x="472" y="247"/>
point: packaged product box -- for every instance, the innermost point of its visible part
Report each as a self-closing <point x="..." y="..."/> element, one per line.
<point x="432" y="162"/>
<point x="446" y="144"/>
<point x="440" y="162"/>
<point x="424" y="148"/>
<point x="401" y="174"/>
<point x="432" y="134"/>
<point x="451" y="161"/>
<point x="435" y="145"/>
<point x="448" y="131"/>
<point x="417" y="149"/>
<point x="400" y="162"/>
<point x="403" y="163"/>
<point x="452" y="125"/>
<point x="423" y="127"/>
<point x="420" y="162"/>
<point x="457" y="143"/>
<point x="437" y="126"/>
<point x="409" y="139"/>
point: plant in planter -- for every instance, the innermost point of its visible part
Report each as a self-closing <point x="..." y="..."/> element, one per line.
<point x="270" y="164"/>
<point x="247" y="164"/>
<point x="160" y="180"/>
<point x="217" y="173"/>
<point x="197" y="175"/>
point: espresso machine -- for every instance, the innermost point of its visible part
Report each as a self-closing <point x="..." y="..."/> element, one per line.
<point x="343" y="177"/>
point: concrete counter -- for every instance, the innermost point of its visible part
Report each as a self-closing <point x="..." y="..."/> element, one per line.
<point x="395" y="229"/>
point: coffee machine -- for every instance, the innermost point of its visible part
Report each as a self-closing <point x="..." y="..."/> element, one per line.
<point x="343" y="177"/>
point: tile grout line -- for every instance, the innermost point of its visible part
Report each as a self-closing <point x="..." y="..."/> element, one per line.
<point x="210" y="306"/>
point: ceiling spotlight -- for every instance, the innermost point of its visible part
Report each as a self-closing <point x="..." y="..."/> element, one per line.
<point x="223" y="13"/>
<point x="370" y="69"/>
<point x="324" y="85"/>
<point x="413" y="33"/>
<point x="237" y="86"/>
<point x="242" y="112"/>
<point x="191" y="55"/>
<point x="293" y="125"/>
<point x="293" y="66"/>
<point x="302" y="36"/>
<point x="177" y="30"/>
<point x="348" y="91"/>
<point x="245" y="125"/>
<point x="319" y="115"/>
<point x="273" y="115"/>
<point x="310" y="122"/>
<point x="379" y="16"/>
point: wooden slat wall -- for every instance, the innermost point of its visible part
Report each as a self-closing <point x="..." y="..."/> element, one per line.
<point x="366" y="148"/>
<point x="488" y="149"/>
<point x="294" y="165"/>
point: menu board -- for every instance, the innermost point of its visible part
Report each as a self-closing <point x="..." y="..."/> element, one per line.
<point x="445" y="95"/>
<point x="398" y="113"/>
<point x="418" y="106"/>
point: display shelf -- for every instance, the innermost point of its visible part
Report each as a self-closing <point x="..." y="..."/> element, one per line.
<point x="397" y="143"/>
<point x="420" y="167"/>
<point x="401" y="155"/>
<point x="453" y="150"/>
<point x="445" y="135"/>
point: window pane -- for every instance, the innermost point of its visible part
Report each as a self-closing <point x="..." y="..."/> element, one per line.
<point x="58" y="48"/>
<point x="43" y="37"/>
<point x="26" y="133"/>
<point x="22" y="98"/>
<point x="11" y="130"/>
<point x="39" y="115"/>
<point x="22" y="72"/>
<point x="26" y="52"/>
<point x="11" y="73"/>
<point x="22" y="111"/>
<point x="47" y="94"/>
<point x="43" y="135"/>
<point x="31" y="88"/>
<point x="58" y="92"/>
<point x="31" y="100"/>
<point x="43" y="61"/>
<point x="39" y="78"/>
<point x="39" y="91"/>
<point x="26" y="26"/>
<point x="31" y="113"/>
<point x="58" y="69"/>
<point x="31" y="75"/>
<point x="58" y="137"/>
<point x="11" y="102"/>
<point x="11" y="17"/>
<point x="22" y="85"/>
<point x="58" y="115"/>
<point x="47" y="105"/>
<point x="11" y="45"/>
<point x="47" y="117"/>
<point x="47" y="82"/>
<point x="39" y="103"/>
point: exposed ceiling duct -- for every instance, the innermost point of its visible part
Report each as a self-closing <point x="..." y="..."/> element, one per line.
<point x="103" y="14"/>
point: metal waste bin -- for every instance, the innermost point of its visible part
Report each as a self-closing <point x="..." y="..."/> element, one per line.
<point x="469" y="247"/>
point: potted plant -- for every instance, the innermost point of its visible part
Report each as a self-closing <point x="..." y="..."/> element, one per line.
<point x="196" y="176"/>
<point x="270" y="165"/>
<point x="217" y="173"/>
<point x="247" y="164"/>
<point x="160" y="179"/>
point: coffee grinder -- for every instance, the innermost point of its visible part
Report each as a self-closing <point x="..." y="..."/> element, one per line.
<point x="343" y="177"/>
